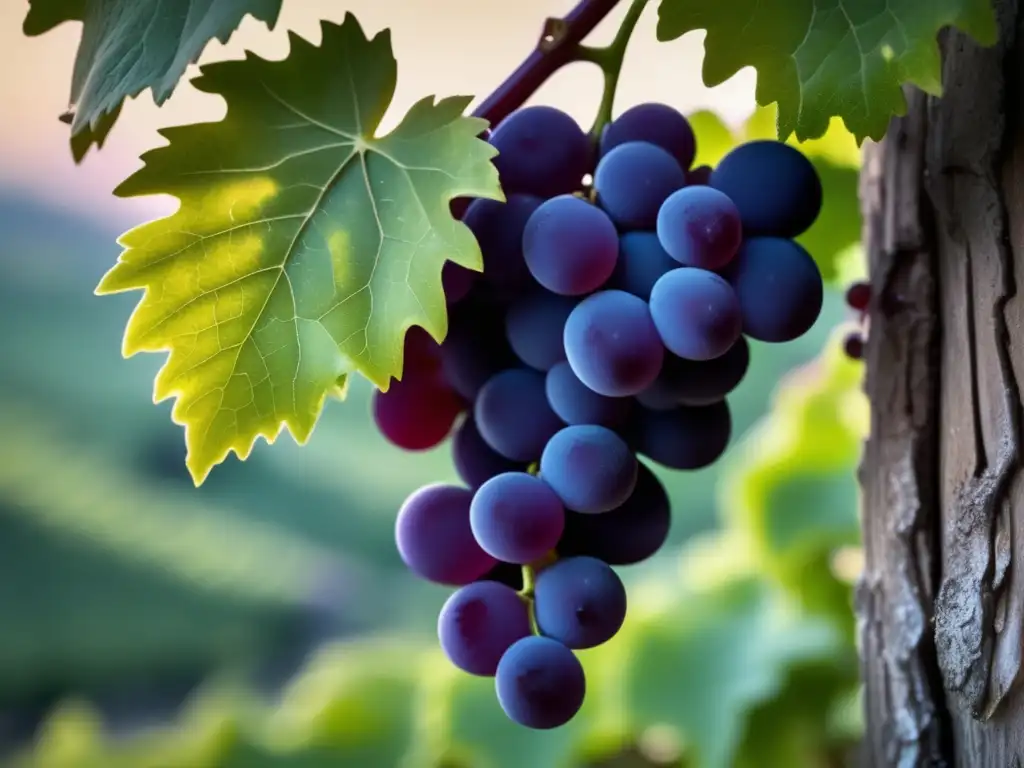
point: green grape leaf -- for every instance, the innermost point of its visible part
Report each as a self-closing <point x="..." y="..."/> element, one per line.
<point x="130" y="45"/>
<point x="819" y="58"/>
<point x="305" y="245"/>
<point x="707" y="656"/>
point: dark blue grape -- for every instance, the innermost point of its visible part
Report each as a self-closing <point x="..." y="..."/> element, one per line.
<point x="580" y="602"/>
<point x="779" y="287"/>
<point x="570" y="246"/>
<point x="575" y="403"/>
<point x="535" y="325"/>
<point x="517" y="518"/>
<point x="590" y="468"/>
<point x="629" y="534"/>
<point x="633" y="180"/>
<point x="476" y="347"/>
<point x="513" y="415"/>
<point x="687" y="437"/>
<point x="657" y="124"/>
<point x="696" y="312"/>
<point x="699" y="176"/>
<point x="700" y="227"/>
<point x="435" y="539"/>
<point x="475" y="461"/>
<point x="697" y="382"/>
<point x="541" y="151"/>
<point x="540" y="683"/>
<point x="775" y="188"/>
<point x="641" y="262"/>
<point x="612" y="344"/>
<point x="479" y="623"/>
<point x="498" y="228"/>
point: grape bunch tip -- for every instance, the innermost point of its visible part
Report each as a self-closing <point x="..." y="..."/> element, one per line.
<point x="606" y="327"/>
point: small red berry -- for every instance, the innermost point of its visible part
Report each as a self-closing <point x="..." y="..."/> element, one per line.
<point x="858" y="296"/>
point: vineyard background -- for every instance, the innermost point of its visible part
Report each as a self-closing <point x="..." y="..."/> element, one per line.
<point x="265" y="619"/>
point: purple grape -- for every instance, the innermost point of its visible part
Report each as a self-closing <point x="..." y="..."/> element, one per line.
<point x="475" y="461"/>
<point x="700" y="227"/>
<point x="580" y="602"/>
<point x="435" y="539"/>
<point x="570" y="246"/>
<point x="696" y="312"/>
<point x="513" y="415"/>
<point x="633" y="180"/>
<point x="779" y="287"/>
<point x="457" y="281"/>
<point x="498" y="228"/>
<point x="479" y="623"/>
<point x="541" y="151"/>
<point x="657" y="124"/>
<point x="776" y="189"/>
<point x="516" y="518"/>
<point x="697" y="382"/>
<point x="418" y="412"/>
<point x="540" y="683"/>
<point x="590" y="468"/>
<point x="628" y="534"/>
<point x="612" y="344"/>
<point x="687" y="437"/>
<point x="641" y="262"/>
<point x="534" y="326"/>
<point x="421" y="354"/>
<point x="575" y="403"/>
<point x="476" y="347"/>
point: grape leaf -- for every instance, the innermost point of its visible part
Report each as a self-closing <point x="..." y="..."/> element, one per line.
<point x="304" y="246"/>
<point x="130" y="45"/>
<point x="819" y="58"/>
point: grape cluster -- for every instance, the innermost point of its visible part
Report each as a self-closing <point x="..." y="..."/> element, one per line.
<point x="611" y="320"/>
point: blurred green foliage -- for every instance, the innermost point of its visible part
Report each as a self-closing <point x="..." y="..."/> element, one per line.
<point x="739" y="652"/>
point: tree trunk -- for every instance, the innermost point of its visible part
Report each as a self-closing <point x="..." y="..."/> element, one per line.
<point x="941" y="603"/>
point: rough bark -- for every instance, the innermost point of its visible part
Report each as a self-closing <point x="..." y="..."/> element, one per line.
<point x="941" y="603"/>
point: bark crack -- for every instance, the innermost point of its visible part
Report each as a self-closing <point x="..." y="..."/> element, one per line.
<point x="907" y="723"/>
<point x="978" y="267"/>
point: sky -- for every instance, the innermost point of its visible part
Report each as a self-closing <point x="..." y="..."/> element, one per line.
<point x="443" y="47"/>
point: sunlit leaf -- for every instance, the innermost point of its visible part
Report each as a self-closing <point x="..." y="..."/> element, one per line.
<point x="305" y="245"/>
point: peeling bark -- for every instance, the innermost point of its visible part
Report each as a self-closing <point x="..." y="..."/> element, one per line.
<point x="905" y="711"/>
<point x="941" y="605"/>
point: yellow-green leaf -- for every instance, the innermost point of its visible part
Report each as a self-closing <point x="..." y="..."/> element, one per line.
<point x="304" y="246"/>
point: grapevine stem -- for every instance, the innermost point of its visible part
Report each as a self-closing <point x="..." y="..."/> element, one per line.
<point x="609" y="59"/>
<point x="559" y="45"/>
